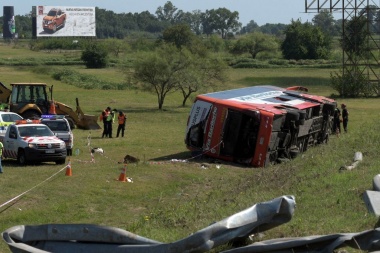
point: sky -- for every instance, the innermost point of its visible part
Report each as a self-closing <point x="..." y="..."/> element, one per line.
<point x="260" y="11"/>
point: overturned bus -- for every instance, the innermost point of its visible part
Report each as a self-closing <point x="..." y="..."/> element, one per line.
<point x="258" y="125"/>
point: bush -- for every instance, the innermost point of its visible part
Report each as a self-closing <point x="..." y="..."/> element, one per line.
<point x="279" y="62"/>
<point x="351" y="83"/>
<point x="88" y="82"/>
<point x="95" y="55"/>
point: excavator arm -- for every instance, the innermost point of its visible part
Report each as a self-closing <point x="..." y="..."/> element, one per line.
<point x="81" y="120"/>
<point x="4" y="93"/>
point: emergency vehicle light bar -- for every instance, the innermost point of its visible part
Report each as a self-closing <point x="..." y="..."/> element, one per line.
<point x="27" y="121"/>
<point x="52" y="116"/>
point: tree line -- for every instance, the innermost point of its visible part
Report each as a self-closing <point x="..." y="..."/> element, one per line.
<point x="177" y="55"/>
<point x="221" y="21"/>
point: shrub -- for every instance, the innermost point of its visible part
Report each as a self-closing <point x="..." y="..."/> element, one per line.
<point x="88" y="82"/>
<point x="351" y="83"/>
<point x="94" y="55"/>
<point x="279" y="62"/>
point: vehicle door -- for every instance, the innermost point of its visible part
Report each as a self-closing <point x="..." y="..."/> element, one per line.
<point x="7" y="119"/>
<point x="10" y="142"/>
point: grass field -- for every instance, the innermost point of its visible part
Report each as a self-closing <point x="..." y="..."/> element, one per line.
<point x="168" y="201"/>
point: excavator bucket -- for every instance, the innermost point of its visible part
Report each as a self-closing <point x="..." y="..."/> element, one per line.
<point x="85" y="121"/>
<point x="88" y="122"/>
<point x="81" y="120"/>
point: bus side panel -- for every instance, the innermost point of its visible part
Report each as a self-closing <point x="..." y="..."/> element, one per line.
<point x="264" y="137"/>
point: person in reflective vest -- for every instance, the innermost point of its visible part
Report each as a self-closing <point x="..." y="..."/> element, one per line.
<point x="110" y="120"/>
<point x="103" y="118"/>
<point x="122" y="119"/>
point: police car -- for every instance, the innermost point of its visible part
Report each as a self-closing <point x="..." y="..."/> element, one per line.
<point x="6" y="119"/>
<point x="61" y="128"/>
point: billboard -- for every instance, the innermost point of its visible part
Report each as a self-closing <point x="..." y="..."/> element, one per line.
<point x="62" y="21"/>
<point x="9" y="25"/>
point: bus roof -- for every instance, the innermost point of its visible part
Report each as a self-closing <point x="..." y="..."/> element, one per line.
<point x="267" y="95"/>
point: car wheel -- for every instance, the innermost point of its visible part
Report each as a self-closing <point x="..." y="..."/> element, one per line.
<point x="21" y="158"/>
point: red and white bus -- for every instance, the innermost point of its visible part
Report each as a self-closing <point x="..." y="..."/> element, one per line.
<point x="258" y="125"/>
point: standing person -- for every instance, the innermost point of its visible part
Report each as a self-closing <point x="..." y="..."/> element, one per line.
<point x="336" y="125"/>
<point x="122" y="119"/>
<point x="110" y="120"/>
<point x="345" y="117"/>
<point x="103" y="117"/>
<point x="1" y="156"/>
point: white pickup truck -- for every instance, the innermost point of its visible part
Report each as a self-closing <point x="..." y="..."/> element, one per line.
<point x="30" y="141"/>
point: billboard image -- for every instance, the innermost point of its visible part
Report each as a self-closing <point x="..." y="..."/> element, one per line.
<point x="60" y="21"/>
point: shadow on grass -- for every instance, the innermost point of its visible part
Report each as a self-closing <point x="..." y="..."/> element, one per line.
<point x="13" y="163"/>
<point x="179" y="156"/>
<point x="202" y="160"/>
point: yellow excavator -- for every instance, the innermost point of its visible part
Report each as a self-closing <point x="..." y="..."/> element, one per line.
<point x="31" y="100"/>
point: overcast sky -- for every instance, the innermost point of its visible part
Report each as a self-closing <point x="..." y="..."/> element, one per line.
<point x="261" y="11"/>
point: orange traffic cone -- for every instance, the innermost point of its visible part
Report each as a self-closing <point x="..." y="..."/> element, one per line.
<point x="123" y="176"/>
<point x="68" y="169"/>
<point x="52" y="107"/>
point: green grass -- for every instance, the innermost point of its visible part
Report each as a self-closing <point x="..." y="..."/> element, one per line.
<point x="167" y="200"/>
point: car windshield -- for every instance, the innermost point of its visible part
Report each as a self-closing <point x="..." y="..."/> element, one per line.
<point x="10" y="117"/>
<point x="56" y="125"/>
<point x="29" y="131"/>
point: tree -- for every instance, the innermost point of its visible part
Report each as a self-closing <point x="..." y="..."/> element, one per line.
<point x="353" y="82"/>
<point x="94" y="55"/>
<point x="201" y="73"/>
<point x="356" y="34"/>
<point x="169" y="13"/>
<point x="23" y="24"/>
<point x="326" y="22"/>
<point x="116" y="46"/>
<point x="305" y="41"/>
<point x="274" y="29"/>
<point x="250" y="27"/>
<point x="221" y="20"/>
<point x="370" y="12"/>
<point x="149" y="23"/>
<point x="207" y="23"/>
<point x="180" y="35"/>
<point x="161" y="70"/>
<point x="193" y="19"/>
<point x="255" y="43"/>
<point x="215" y="43"/>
